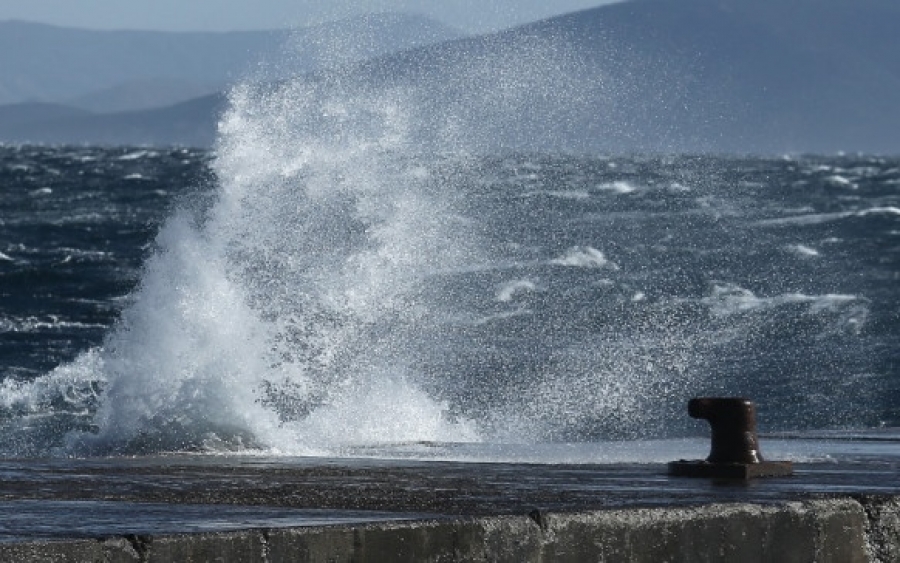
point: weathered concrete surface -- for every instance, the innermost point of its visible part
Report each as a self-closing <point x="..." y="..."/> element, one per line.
<point x="824" y="531"/>
<point x="883" y="527"/>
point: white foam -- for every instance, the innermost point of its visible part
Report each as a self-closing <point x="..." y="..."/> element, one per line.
<point x="819" y="218"/>
<point x="137" y="155"/>
<point x="75" y="383"/>
<point x="840" y="181"/>
<point x="730" y="299"/>
<point x="803" y="250"/>
<point x="886" y="210"/>
<point x="383" y="411"/>
<point x="618" y="187"/>
<point x="33" y="324"/>
<point x="561" y="194"/>
<point x="584" y="257"/>
<point x="509" y="290"/>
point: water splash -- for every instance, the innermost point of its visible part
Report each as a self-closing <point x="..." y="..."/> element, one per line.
<point x="358" y="277"/>
<point x="285" y="317"/>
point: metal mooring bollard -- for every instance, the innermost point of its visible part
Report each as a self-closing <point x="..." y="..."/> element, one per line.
<point x="735" y="446"/>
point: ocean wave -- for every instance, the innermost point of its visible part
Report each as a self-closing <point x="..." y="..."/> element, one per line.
<point x="839" y="181"/>
<point x="509" y="290"/>
<point x="819" y="218"/>
<point x="618" y="187"/>
<point x="47" y="324"/>
<point x="560" y="194"/>
<point x="584" y="257"/>
<point x="137" y="155"/>
<point x="70" y="388"/>
<point x="731" y="299"/>
<point x="803" y="251"/>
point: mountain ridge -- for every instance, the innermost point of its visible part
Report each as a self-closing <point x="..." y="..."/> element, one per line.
<point x="726" y="76"/>
<point x="48" y="63"/>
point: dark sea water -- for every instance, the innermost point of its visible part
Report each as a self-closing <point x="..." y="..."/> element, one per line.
<point x="176" y="300"/>
<point x="77" y="224"/>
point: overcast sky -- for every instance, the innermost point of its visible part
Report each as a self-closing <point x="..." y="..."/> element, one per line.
<point x="225" y="15"/>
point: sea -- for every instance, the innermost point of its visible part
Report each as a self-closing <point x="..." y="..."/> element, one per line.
<point x="319" y="284"/>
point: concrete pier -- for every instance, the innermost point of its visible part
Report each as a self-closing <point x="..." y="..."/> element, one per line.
<point x="257" y="510"/>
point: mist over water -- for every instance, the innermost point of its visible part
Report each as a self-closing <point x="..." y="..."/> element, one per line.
<point x="370" y="268"/>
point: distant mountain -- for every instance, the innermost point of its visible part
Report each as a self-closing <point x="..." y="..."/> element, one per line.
<point x="28" y="113"/>
<point x="144" y="93"/>
<point x="757" y="76"/>
<point x="191" y="123"/>
<point x="762" y="76"/>
<point x="99" y="70"/>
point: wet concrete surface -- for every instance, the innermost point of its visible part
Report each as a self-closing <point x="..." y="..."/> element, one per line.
<point x="842" y="505"/>
<point x="56" y="498"/>
<point x="433" y="487"/>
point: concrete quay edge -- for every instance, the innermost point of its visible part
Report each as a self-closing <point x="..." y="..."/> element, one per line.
<point x="847" y="529"/>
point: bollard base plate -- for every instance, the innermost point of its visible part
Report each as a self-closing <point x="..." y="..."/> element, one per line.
<point x="702" y="468"/>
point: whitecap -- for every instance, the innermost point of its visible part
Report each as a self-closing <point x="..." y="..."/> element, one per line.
<point x="729" y="299"/>
<point x="584" y="257"/>
<point x="818" y="218"/>
<point x="888" y="210"/>
<point x="840" y="181"/>
<point x="137" y="155"/>
<point x="70" y="387"/>
<point x="561" y="194"/>
<point x="619" y="187"/>
<point x="509" y="290"/>
<point x="803" y="250"/>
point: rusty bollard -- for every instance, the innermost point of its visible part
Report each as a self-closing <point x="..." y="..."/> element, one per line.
<point x="734" y="452"/>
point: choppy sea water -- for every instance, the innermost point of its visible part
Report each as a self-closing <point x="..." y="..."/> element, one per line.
<point x="179" y="300"/>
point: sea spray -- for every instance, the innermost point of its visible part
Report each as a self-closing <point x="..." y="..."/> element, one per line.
<point x="287" y="316"/>
<point x="374" y="264"/>
<point x="331" y="293"/>
<point x="303" y="306"/>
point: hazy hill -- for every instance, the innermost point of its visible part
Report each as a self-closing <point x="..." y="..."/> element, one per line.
<point x="190" y="123"/>
<point x="27" y="113"/>
<point x="125" y="70"/>
<point x="144" y="93"/>
<point x="646" y="75"/>
<point x="677" y="75"/>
